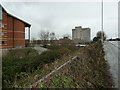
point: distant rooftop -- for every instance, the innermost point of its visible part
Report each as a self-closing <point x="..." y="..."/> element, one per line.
<point x="81" y="27"/>
<point x="85" y="28"/>
<point x="78" y="26"/>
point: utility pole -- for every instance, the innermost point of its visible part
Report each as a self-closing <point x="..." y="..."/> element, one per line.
<point x="102" y="20"/>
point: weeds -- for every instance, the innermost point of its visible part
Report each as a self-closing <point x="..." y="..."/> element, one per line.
<point x="89" y="71"/>
<point x="20" y="63"/>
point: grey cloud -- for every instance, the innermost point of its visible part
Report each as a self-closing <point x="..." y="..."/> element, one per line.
<point x="62" y="17"/>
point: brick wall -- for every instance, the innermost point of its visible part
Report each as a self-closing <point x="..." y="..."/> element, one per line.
<point x="14" y="30"/>
<point x="0" y="35"/>
<point x="19" y="33"/>
<point x="4" y="29"/>
<point x="9" y="32"/>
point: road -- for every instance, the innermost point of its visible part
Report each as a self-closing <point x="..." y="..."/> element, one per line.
<point x="111" y="55"/>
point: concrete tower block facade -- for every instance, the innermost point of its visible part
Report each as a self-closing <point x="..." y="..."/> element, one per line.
<point x="81" y="34"/>
<point x="77" y="30"/>
<point x="73" y="33"/>
<point x="85" y="34"/>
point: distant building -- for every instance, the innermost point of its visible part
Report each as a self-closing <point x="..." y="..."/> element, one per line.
<point x="65" y="41"/>
<point x="81" y="35"/>
<point x="12" y="30"/>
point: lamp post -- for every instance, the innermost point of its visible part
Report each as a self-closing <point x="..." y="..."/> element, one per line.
<point x="102" y="21"/>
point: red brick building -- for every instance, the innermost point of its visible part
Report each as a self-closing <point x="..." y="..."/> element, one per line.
<point x="12" y="30"/>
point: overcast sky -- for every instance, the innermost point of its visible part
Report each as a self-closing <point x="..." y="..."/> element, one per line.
<point x="62" y="17"/>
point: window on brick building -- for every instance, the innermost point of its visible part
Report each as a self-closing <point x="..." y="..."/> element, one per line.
<point x="2" y="25"/>
<point x="2" y="34"/>
<point x="3" y="42"/>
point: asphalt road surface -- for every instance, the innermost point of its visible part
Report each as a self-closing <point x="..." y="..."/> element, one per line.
<point x="111" y="55"/>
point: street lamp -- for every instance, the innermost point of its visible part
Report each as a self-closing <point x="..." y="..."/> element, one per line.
<point x="102" y="20"/>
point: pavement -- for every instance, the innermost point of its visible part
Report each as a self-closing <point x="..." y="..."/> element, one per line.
<point x="111" y="55"/>
<point x="40" y="49"/>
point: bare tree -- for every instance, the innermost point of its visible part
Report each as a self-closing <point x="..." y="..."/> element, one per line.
<point x="101" y="35"/>
<point x="52" y="36"/>
<point x="44" y="36"/>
